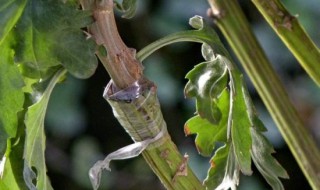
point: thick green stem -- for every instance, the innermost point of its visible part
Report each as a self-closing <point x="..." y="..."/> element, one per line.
<point x="232" y="22"/>
<point x="172" y="169"/>
<point x="164" y="159"/>
<point x="292" y="34"/>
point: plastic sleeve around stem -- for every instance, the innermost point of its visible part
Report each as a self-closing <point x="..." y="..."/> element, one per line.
<point x="138" y="110"/>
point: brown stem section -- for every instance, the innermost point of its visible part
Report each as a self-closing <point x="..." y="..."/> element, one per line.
<point x="120" y="61"/>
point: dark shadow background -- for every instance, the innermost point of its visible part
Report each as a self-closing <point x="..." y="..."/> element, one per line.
<point x="81" y="129"/>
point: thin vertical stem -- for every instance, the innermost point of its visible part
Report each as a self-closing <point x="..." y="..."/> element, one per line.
<point x="233" y="24"/>
<point x="292" y="34"/>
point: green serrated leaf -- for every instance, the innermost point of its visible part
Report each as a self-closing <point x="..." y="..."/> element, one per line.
<point x="207" y="133"/>
<point x="35" y="139"/>
<point x="10" y="12"/>
<point x="11" y="94"/>
<point x="48" y="34"/>
<point x="242" y="117"/>
<point x="263" y="160"/>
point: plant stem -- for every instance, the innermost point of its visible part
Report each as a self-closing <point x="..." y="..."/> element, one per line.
<point x="168" y="164"/>
<point x="233" y="24"/>
<point x="120" y="60"/>
<point x="292" y="34"/>
<point x="165" y="160"/>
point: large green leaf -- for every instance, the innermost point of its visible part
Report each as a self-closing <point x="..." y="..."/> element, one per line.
<point x="239" y="124"/>
<point x="35" y="166"/>
<point x="10" y="12"/>
<point x="206" y="82"/>
<point x="49" y="34"/>
<point x="11" y="94"/>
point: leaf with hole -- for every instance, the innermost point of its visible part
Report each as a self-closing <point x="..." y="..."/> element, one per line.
<point x="35" y="166"/>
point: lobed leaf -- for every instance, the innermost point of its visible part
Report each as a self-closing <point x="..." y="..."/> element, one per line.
<point x="209" y="82"/>
<point x="235" y="123"/>
<point x="35" y="139"/>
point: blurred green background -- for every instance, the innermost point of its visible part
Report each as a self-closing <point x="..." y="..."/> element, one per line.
<point x="81" y="129"/>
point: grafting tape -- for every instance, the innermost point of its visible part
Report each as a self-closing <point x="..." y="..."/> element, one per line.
<point x="137" y="109"/>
